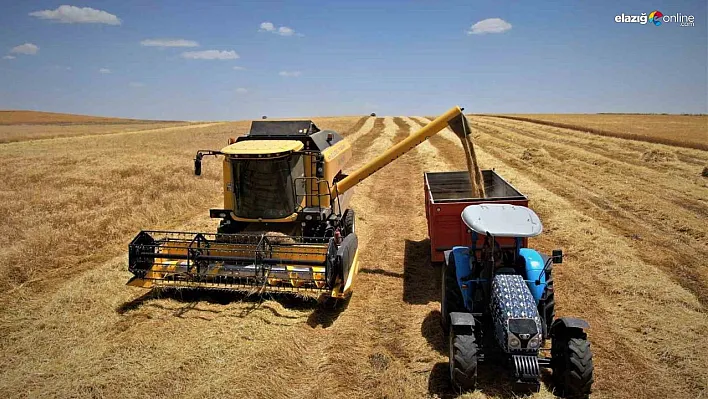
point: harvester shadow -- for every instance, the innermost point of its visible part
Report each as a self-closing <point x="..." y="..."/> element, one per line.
<point x="323" y="313"/>
<point x="421" y="278"/>
<point x="328" y="312"/>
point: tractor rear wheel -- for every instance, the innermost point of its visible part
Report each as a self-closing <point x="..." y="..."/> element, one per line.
<point x="451" y="300"/>
<point x="463" y="361"/>
<point x="571" y="361"/>
<point x="547" y="304"/>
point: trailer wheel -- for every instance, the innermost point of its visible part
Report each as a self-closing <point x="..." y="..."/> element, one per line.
<point x="451" y="300"/>
<point x="463" y="361"/>
<point x="571" y="361"/>
<point x="547" y="304"/>
<point x="349" y="221"/>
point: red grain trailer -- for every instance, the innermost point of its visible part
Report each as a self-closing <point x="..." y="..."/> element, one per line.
<point x="447" y="194"/>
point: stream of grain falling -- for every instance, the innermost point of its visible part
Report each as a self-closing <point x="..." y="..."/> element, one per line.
<point x="476" y="180"/>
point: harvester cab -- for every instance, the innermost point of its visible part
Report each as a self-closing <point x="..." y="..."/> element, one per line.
<point x="498" y="304"/>
<point x="279" y="177"/>
<point x="286" y="224"/>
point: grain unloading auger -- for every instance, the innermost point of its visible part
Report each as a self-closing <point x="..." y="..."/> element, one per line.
<point x="285" y="224"/>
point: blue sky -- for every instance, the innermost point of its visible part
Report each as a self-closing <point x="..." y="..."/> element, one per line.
<point x="353" y="57"/>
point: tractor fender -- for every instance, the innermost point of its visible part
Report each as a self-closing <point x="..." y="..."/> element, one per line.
<point x="461" y="319"/>
<point x="566" y="325"/>
<point x="446" y="256"/>
<point x="534" y="272"/>
<point x="461" y="257"/>
<point x="462" y="322"/>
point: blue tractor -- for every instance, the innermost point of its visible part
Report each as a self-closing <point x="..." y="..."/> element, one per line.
<point x="498" y="306"/>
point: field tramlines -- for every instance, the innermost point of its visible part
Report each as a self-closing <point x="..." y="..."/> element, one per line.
<point x="628" y="214"/>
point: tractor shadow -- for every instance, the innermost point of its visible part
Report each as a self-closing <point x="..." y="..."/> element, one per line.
<point x="324" y="313"/>
<point x="421" y="278"/>
<point x="493" y="379"/>
<point x="431" y="329"/>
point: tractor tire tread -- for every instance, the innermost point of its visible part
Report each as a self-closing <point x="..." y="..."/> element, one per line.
<point x="465" y="362"/>
<point x="577" y="368"/>
<point x="547" y="308"/>
<point x="451" y="300"/>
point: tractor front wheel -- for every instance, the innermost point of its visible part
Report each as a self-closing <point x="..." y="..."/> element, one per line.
<point x="451" y="300"/>
<point x="463" y="361"/>
<point x="571" y="361"/>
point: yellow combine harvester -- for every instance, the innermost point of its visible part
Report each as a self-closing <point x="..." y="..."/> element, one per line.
<point x="285" y="225"/>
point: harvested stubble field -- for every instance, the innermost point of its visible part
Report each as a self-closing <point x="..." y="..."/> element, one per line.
<point x="690" y="131"/>
<point x="30" y="125"/>
<point x="629" y="215"/>
<point x="53" y="118"/>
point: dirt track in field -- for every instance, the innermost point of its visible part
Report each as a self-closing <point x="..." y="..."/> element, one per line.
<point x="628" y="216"/>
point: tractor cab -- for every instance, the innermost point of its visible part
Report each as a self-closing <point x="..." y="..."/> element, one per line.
<point x="502" y="220"/>
<point x="503" y="227"/>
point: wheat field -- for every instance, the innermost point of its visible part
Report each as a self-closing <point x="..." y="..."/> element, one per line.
<point x="55" y="118"/>
<point x="629" y="215"/>
<point x="690" y="131"/>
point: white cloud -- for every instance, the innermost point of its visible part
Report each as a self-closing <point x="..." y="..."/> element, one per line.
<point x="27" y="48"/>
<point x="285" y="31"/>
<point x="75" y="15"/>
<point x="267" y="26"/>
<point x="239" y="68"/>
<point x="290" y="74"/>
<point x="489" y="25"/>
<point x="9" y="57"/>
<point x="136" y="84"/>
<point x="169" y="43"/>
<point x="210" y="55"/>
<point x="241" y="90"/>
<point x="104" y="70"/>
<point x="282" y="31"/>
